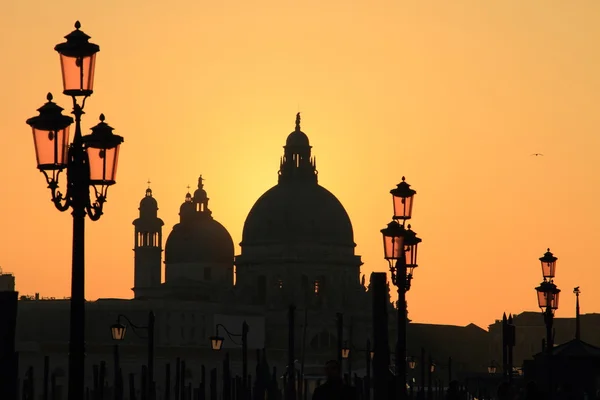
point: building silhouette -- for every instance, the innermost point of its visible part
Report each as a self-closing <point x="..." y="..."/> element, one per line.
<point x="297" y="248"/>
<point x="7" y="282"/>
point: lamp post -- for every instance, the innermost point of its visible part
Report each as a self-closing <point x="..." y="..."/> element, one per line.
<point x="400" y="250"/>
<point x="412" y="363"/>
<point x="90" y="160"/>
<point x="118" y="330"/>
<point x="216" y="343"/>
<point x="547" y="294"/>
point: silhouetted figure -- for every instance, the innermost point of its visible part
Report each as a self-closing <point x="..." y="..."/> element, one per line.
<point x="334" y="388"/>
<point x="453" y="392"/>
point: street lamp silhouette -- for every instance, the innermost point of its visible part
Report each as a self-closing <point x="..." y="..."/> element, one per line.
<point x="216" y="343"/>
<point x="89" y="161"/>
<point x="118" y="331"/>
<point x="411" y="362"/>
<point x="400" y="250"/>
<point x="432" y="367"/>
<point x="492" y="368"/>
<point x="547" y="294"/>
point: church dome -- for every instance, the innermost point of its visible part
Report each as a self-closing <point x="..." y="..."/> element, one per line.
<point x="148" y="202"/>
<point x="198" y="238"/>
<point x="298" y="213"/>
<point x="200" y="241"/>
<point x="298" y="210"/>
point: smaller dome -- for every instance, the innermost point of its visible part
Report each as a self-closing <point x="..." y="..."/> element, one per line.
<point x="187" y="208"/>
<point x="148" y="202"/>
<point x="297" y="139"/>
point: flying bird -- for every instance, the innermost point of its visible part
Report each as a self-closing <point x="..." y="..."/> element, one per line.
<point x="537" y="154"/>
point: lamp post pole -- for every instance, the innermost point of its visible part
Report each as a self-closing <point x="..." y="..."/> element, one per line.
<point x="400" y="249"/>
<point x="402" y="284"/>
<point x="216" y="343"/>
<point x="118" y="333"/>
<point x="89" y="160"/>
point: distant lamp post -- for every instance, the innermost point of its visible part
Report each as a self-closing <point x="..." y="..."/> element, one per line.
<point x="432" y="367"/>
<point x="492" y="368"/>
<point x="345" y="351"/>
<point x="89" y="161"/>
<point x="372" y="354"/>
<point x="216" y="343"/>
<point x="411" y="362"/>
<point x="547" y="294"/>
<point x="118" y="330"/>
<point x="400" y="250"/>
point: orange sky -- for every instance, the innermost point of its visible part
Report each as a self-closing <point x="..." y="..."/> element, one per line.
<point x="455" y="95"/>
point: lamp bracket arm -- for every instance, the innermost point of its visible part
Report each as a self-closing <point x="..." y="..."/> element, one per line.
<point x="229" y="334"/>
<point x="95" y="210"/>
<point x="61" y="202"/>
<point x="134" y="326"/>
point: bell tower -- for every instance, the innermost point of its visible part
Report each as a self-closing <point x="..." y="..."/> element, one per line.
<point x="147" y="247"/>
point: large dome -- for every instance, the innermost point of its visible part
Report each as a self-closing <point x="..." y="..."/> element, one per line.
<point x="199" y="241"/>
<point x="298" y="212"/>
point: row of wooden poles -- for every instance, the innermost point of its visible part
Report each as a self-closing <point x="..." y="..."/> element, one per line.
<point x="180" y="388"/>
<point x="233" y="388"/>
<point x="177" y="387"/>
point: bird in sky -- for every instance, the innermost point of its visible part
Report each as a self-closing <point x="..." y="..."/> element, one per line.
<point x="537" y="154"/>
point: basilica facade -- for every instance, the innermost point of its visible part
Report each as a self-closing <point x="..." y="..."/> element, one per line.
<point x="297" y="249"/>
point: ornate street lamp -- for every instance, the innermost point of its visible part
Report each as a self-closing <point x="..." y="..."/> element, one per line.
<point x="548" y="265"/>
<point x="548" y="294"/>
<point x="89" y="161"/>
<point x="403" y="196"/>
<point x="118" y="330"/>
<point x="400" y="250"/>
<point x="216" y="343"/>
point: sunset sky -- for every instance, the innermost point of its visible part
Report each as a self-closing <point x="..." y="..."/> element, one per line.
<point x="455" y="95"/>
